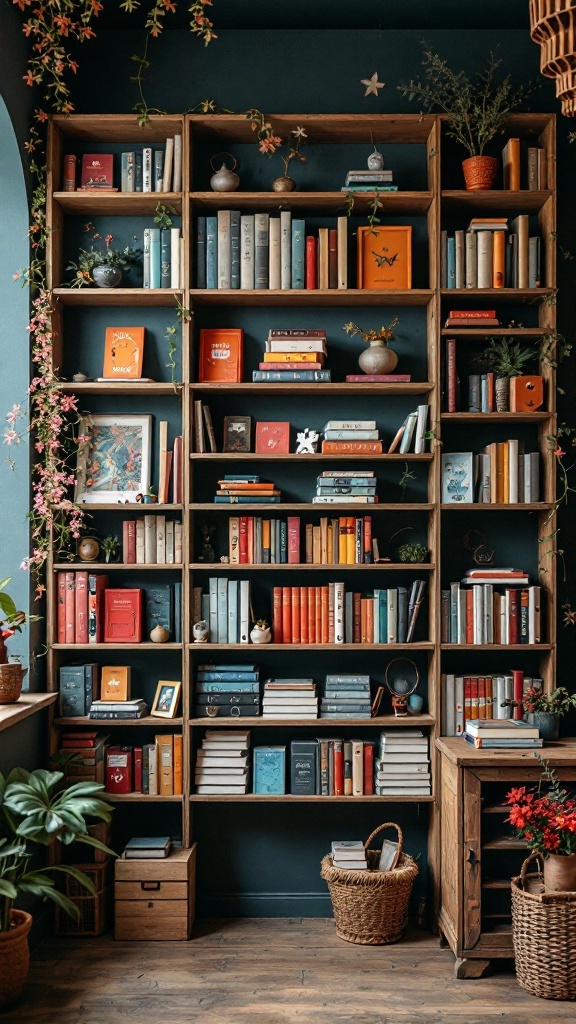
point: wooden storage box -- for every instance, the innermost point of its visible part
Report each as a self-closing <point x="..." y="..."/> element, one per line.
<point x="155" y="899"/>
<point x="93" y="908"/>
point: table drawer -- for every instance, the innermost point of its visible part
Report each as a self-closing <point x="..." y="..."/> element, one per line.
<point x="151" y="890"/>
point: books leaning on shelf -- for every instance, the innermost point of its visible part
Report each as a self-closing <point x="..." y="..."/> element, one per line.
<point x="346" y="540"/>
<point x="153" y="768"/>
<point x="257" y="251"/>
<point x="346" y="696"/>
<point x="489" y="255"/>
<point x="481" y="697"/>
<point x="482" y="615"/>
<point x="350" y="855"/>
<point x="163" y="259"/>
<point x="152" y="540"/>
<point x="294" y="355"/>
<point x="246" y="490"/>
<point x="227" y="691"/>
<point x="411" y="431"/>
<point x="141" y="170"/>
<point x="332" y="767"/>
<point x="222" y="763"/>
<point x="290" y="698"/>
<point x="500" y="475"/>
<point x="503" y="735"/>
<point x="403" y="766"/>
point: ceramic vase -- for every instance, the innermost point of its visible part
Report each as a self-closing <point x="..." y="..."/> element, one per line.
<point x="560" y="873"/>
<point x="479" y="172"/>
<point x="283" y="184"/>
<point x="159" y="635"/>
<point x="548" y="724"/>
<point x="378" y="358"/>
<point x="261" y="635"/>
<point x="106" y="277"/>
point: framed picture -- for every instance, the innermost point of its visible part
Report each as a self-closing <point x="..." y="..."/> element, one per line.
<point x="166" y="699"/>
<point x="458" y="478"/>
<point x="272" y="438"/>
<point x="113" y="461"/>
<point x="221" y="355"/>
<point x="237" y="433"/>
<point x="385" y="257"/>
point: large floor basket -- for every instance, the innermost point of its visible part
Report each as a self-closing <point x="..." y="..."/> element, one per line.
<point x="544" y="934"/>
<point x="371" y="907"/>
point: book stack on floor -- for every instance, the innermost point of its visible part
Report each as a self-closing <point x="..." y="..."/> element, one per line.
<point x="403" y="767"/>
<point x="489" y="255"/>
<point x="226" y="608"/>
<point x="480" y="615"/>
<point x="365" y="180"/>
<point x="349" y="854"/>
<point x="351" y="437"/>
<point x="346" y="696"/>
<point x="513" y="735"/>
<point x="222" y="763"/>
<point x="411" y="431"/>
<point x="85" y="751"/>
<point x="246" y="490"/>
<point x="346" y="487"/>
<point x="163" y="259"/>
<point x="290" y="698"/>
<point x="294" y="355"/>
<point x="153" y="768"/>
<point x="227" y="691"/>
<point x="479" y="697"/>
<point x="121" y="710"/>
<point x="148" y="847"/>
<point x="152" y="540"/>
<point x="332" y="767"/>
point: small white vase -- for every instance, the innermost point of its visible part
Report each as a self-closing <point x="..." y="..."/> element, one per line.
<point x="260" y="636"/>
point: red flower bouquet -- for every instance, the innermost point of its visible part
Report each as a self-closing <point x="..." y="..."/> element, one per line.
<point x="546" y="822"/>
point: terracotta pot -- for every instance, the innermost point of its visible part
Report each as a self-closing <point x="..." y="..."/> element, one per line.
<point x="560" y="873"/>
<point x="378" y="358"/>
<point x="11" y="678"/>
<point x="14" y="957"/>
<point x="3" y="651"/>
<point x="479" y="172"/>
<point x="283" y="184"/>
<point x="502" y="389"/>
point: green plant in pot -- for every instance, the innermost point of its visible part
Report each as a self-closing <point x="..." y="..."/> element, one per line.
<point x="102" y="267"/>
<point x="11" y="621"/>
<point x="35" y="811"/>
<point x="546" y="822"/>
<point x="506" y="359"/>
<point x="476" y="108"/>
<point x="546" y="709"/>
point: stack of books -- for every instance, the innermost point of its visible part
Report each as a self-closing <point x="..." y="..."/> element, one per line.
<point x="477" y="318"/>
<point x="503" y="735"/>
<point x="294" y="355"/>
<point x="147" y="847"/>
<point x="227" y="691"/>
<point x="153" y="768"/>
<point x="118" y="709"/>
<point x="222" y="763"/>
<point x="413" y="429"/>
<point x="481" y="615"/>
<point x="86" y="752"/>
<point x="332" y="767"/>
<point x="466" y="698"/>
<point x="152" y="540"/>
<point x="247" y="490"/>
<point x="349" y="854"/>
<point x="403" y="767"/>
<point x="500" y="475"/>
<point x="365" y="180"/>
<point x="163" y="259"/>
<point x="351" y="437"/>
<point x="489" y="255"/>
<point x="290" y="698"/>
<point x="346" y="487"/>
<point x="346" y="696"/>
<point x="226" y="608"/>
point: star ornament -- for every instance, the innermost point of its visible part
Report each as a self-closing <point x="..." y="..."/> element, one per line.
<point x="372" y="84"/>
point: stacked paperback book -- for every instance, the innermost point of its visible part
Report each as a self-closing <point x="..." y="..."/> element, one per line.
<point x="481" y="615"/>
<point x="222" y="763"/>
<point x="490" y="254"/>
<point x="246" y="489"/>
<point x="349" y="854"/>
<point x="366" y="180"/>
<point x="501" y="475"/>
<point x="403" y="766"/>
<point x="351" y="437"/>
<point x="346" y="696"/>
<point x="479" y="697"/>
<point x="227" y="691"/>
<point x="120" y="710"/>
<point x="346" y="487"/>
<point x="290" y="698"/>
<point x="503" y="735"/>
<point x="294" y="355"/>
<point x="163" y="259"/>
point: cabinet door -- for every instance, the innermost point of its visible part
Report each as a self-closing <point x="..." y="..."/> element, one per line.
<point x="471" y="862"/>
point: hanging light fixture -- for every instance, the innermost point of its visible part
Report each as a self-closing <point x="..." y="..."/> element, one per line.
<point x="553" y="26"/>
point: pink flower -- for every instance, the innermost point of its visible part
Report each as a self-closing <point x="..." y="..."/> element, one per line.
<point x="11" y="437"/>
<point x="558" y="452"/>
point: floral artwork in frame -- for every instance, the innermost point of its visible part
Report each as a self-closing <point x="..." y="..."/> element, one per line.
<point x="113" y="458"/>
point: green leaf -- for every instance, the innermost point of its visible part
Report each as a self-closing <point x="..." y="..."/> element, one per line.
<point x="79" y="876"/>
<point x="8" y="890"/>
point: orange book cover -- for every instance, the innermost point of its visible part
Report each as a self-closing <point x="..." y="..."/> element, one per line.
<point x="325" y="601"/>
<point x="304" y="615"/>
<point x="295" y="615"/>
<point x="123" y="353"/>
<point x="470" y="616"/>
<point x="266" y="536"/>
<point x="498" y="259"/>
<point x="526" y="393"/>
<point x="316" y="545"/>
<point x="277" y="615"/>
<point x="369" y="620"/>
<point x="342" y="541"/>
<point x="503" y="472"/>
<point x="511" y="164"/>
<point x="473" y="697"/>
<point x="384" y="257"/>
<point x="351" y="447"/>
<point x="363" y="621"/>
<point x="178" y="773"/>
<point x="165" y="749"/>
<point x="491" y="452"/>
<point x="221" y="355"/>
<point x="286" y="615"/>
<point x="318" y="613"/>
<point x="350" y="540"/>
<point x="481" y="697"/>
<point x="312" y="615"/>
<point x="293" y="357"/>
<point x="329" y="543"/>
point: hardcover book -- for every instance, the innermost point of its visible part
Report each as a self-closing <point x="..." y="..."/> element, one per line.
<point x="384" y="257"/>
<point x="123" y="353"/>
<point x="272" y="438"/>
<point x="221" y="355"/>
<point x="269" y="770"/>
<point x="97" y="172"/>
<point x="458" y="478"/>
<point x="123" y="616"/>
<point x="115" y="682"/>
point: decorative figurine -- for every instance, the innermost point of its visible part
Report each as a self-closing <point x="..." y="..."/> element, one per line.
<point x="207" y="553"/>
<point x="415" y="704"/>
<point x="307" y="441"/>
<point x="224" y="179"/>
<point x="375" y="161"/>
<point x="261" y="633"/>
<point x="88" y="549"/>
<point x="200" y="631"/>
<point x="159" y="635"/>
<point x="79" y="377"/>
<point x="400" y="685"/>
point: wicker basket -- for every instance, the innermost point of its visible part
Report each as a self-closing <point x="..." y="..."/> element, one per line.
<point x="544" y="934"/>
<point x="93" y="908"/>
<point x="371" y="907"/>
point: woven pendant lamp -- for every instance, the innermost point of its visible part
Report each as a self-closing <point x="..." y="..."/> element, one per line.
<point x="553" y="26"/>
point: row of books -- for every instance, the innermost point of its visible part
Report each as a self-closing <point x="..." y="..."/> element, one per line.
<point x="478" y="697"/>
<point x="152" y="540"/>
<point x="346" y="540"/>
<point x="247" y="251"/>
<point x="487" y="255"/>
<point x="534" y="178"/>
<point x="154" y="768"/>
<point x="232" y="490"/>
<point x="91" y="612"/>
<point x="163" y="259"/>
<point x="500" y="475"/>
<point x="478" y="614"/>
<point x="141" y="170"/>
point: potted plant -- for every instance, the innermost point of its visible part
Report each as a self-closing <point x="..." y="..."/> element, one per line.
<point x="545" y="709"/>
<point x="270" y="143"/>
<point x="506" y="359"/>
<point x="377" y="358"/>
<point x="36" y="811"/>
<point x="476" y="109"/>
<point x="11" y="675"/>
<point x="546" y="822"/>
<point x="111" y="547"/>
<point x="102" y="267"/>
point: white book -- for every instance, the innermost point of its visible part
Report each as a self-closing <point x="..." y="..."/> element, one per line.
<point x="506" y="602"/>
<point x="478" y="608"/>
<point x="170" y="541"/>
<point x="153" y="771"/>
<point x="206" y="790"/>
<point x="222" y="590"/>
<point x="503" y="620"/>
<point x="213" y="620"/>
<point x="449" y="708"/>
<point x="285" y="250"/>
<point x="534" y="462"/>
<point x="150" y="540"/>
<point x="175" y="257"/>
<point x="350" y="425"/>
<point x="420" y="434"/>
<point x="527" y="479"/>
<point x="296" y="345"/>
<point x="177" y="543"/>
<point x="534" y="616"/>
<point x="343" y="499"/>
<point x="244" y="611"/>
<point x="161" y="540"/>
<point x="247" y="252"/>
<point x="224" y="250"/>
<point x="408" y="432"/>
<point x="459" y="705"/>
<point x="232" y="611"/>
<point x="459" y="246"/>
<point x="376" y="618"/>
<point x="409" y="790"/>
<point x="274" y="254"/>
<point x="513" y="471"/>
<point x="485" y="255"/>
<point x="471" y="246"/>
<point x="140" y="542"/>
<point x="392" y="604"/>
<point x="147" y="170"/>
<point x="214" y="772"/>
<point x="228" y="736"/>
<point x="177" y="176"/>
<point x="338" y="613"/>
<point x="182" y="281"/>
<point x="398" y="768"/>
<point x="146" y="259"/>
<point x="343" y="252"/>
<point x="353" y="435"/>
<point x="488" y="613"/>
<point x="168" y="166"/>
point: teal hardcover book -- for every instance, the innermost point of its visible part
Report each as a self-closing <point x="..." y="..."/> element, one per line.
<point x="269" y="770"/>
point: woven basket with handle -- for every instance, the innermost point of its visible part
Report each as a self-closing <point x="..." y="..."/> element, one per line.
<point x="544" y="934"/>
<point x="371" y="907"/>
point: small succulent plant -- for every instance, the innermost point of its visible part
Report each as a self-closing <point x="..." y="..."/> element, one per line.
<point x="413" y="552"/>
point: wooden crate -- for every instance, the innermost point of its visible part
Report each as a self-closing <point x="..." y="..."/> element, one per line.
<point x="93" y="908"/>
<point x="155" y="899"/>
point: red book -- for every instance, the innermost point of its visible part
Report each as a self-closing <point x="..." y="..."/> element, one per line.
<point x="467" y="698"/>
<point x="324" y="612"/>
<point x="472" y="314"/>
<point x="311" y="262"/>
<point x="489" y="697"/>
<point x="295" y="614"/>
<point x="123" y="616"/>
<point x="304" y="615"/>
<point x="277" y="615"/>
<point x="243" y="540"/>
<point x="81" y="628"/>
<point x="318" y="614"/>
<point x="330" y="613"/>
<point x="96" y="588"/>
<point x="286" y="615"/>
<point x="177" y="467"/>
<point x="118" y="769"/>
<point x="332" y="258"/>
<point x="357" y="606"/>
<point x="338" y="768"/>
<point x="368" y="769"/>
<point x="98" y="172"/>
<point x="368" y="539"/>
<point x="290" y="366"/>
<point x="473" y="697"/>
<point x="272" y="438"/>
<point x="250" y="540"/>
<point x="293" y="540"/>
<point x="138" y="769"/>
<point x="379" y="378"/>
<point x="469" y="616"/>
<point x="125" y="541"/>
<point x="369" y="620"/>
<point x="61" y="608"/>
<point x="517" y="693"/>
<point x="514" y="616"/>
<point x="451" y="372"/>
<point x="69" y="166"/>
<point x="70" y="608"/>
<point x="491" y="392"/>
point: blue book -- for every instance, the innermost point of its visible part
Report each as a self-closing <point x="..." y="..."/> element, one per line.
<point x="402" y="614"/>
<point x="72" y="689"/>
<point x="222" y="610"/>
<point x="232" y="611"/>
<point x="138" y="172"/>
<point x="90" y="678"/>
<point x="243" y="476"/>
<point x="233" y="499"/>
<point x="212" y="667"/>
<point x="201" y="252"/>
<point x="451" y="263"/>
<point x="289" y="376"/>
<point x="235" y="248"/>
<point x="298" y="243"/>
<point x="155" y="261"/>
<point x="383" y="615"/>
<point x="283" y="542"/>
<point x="205" y="608"/>
<point x="160" y="607"/>
<point x="213" y="609"/>
<point x="269" y="770"/>
<point x="214" y="676"/>
<point x="502" y="744"/>
<point x="177" y="612"/>
<point x="220" y="687"/>
<point x="165" y="258"/>
<point x="211" y="252"/>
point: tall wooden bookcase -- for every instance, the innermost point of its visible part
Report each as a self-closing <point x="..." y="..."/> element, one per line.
<point x="426" y="170"/>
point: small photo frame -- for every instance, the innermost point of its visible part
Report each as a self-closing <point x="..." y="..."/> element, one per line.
<point x="166" y="699"/>
<point x="113" y="462"/>
<point x="237" y="433"/>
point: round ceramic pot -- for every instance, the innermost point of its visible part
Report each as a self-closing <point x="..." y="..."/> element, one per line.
<point x="106" y="277"/>
<point x="159" y="635"/>
<point x="14" y="957"/>
<point x="261" y="636"/>
<point x="548" y="725"/>
<point x="560" y="873"/>
<point x="88" y="549"/>
<point x="283" y="184"/>
<point x="502" y="389"/>
<point x="377" y="358"/>
<point x="479" y="172"/>
<point x="11" y="678"/>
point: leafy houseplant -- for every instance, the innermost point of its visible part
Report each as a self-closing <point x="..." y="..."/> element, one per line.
<point x="111" y="548"/>
<point x="546" y="822"/>
<point x="506" y="359"/>
<point x="476" y="109"/>
<point x="36" y="811"/>
<point x="102" y="267"/>
<point x="413" y="552"/>
<point x="546" y="709"/>
<point x="11" y="621"/>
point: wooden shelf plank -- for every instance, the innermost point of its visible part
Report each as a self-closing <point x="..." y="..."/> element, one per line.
<point x="504" y="295"/>
<point x="496" y="647"/>
<point x="499" y="332"/>
<point x="292" y="457"/>
<point x="139" y="798"/>
<point x="325" y="390"/>
<point x="307" y="506"/>
<point x="424" y="645"/>
<point x="496" y="883"/>
<point x="380" y="722"/>
<point x="114" y="566"/>
<point x="117" y="204"/>
<point x="323" y="128"/>
<point x="521" y="506"/>
<point x="152" y="389"/>
<point x="117" y="296"/>
<point x="144" y="646"/>
<point x="290" y="798"/>
<point x="129" y="506"/>
<point x="415" y="203"/>
<point x="102" y="723"/>
<point x="496" y="417"/>
<point x="312" y="297"/>
<point x="118" y="127"/>
<point x="504" y="844"/>
<point x="505" y="200"/>
<point x="310" y="567"/>
<point x="26" y="705"/>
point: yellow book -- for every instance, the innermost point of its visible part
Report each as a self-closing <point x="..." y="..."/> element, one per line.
<point x="164" y="745"/>
<point x="342" y="547"/>
<point x="329" y="542"/>
<point x="178" y="774"/>
<point x="324" y="541"/>
<point x="316" y="545"/>
<point x="350" y="542"/>
<point x="293" y="357"/>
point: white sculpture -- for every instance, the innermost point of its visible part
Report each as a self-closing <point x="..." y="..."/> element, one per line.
<point x="307" y="440"/>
